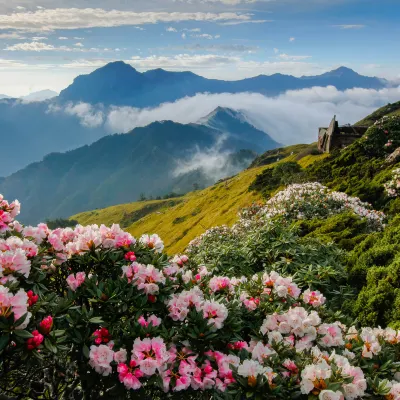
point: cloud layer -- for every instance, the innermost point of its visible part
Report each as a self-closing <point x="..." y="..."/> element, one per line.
<point x="78" y="18"/>
<point x="293" y="117"/>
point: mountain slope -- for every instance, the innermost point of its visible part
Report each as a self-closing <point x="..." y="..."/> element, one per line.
<point x="118" y="83"/>
<point x="30" y="131"/>
<point x="388" y="110"/>
<point x="197" y="211"/>
<point x="155" y="160"/>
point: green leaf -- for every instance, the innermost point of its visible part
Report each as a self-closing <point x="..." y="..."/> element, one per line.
<point x="20" y="320"/>
<point x="49" y="346"/>
<point x="96" y="320"/>
<point x="23" y="334"/>
<point x="4" y="339"/>
<point x="85" y="351"/>
<point x="58" y="333"/>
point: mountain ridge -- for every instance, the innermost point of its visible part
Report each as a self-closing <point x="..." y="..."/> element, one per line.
<point x="119" y="84"/>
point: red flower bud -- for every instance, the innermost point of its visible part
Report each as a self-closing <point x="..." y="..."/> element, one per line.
<point x="151" y="298"/>
<point x="46" y="325"/>
<point x="32" y="298"/>
<point x="130" y="256"/>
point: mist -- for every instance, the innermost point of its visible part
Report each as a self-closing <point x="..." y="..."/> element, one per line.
<point x="293" y="117"/>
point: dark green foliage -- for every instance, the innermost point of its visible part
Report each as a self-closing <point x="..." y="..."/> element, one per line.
<point x="381" y="112"/>
<point x="274" y="246"/>
<point x="271" y="178"/>
<point x="61" y="223"/>
<point x="374" y="268"/>
<point x="346" y="230"/>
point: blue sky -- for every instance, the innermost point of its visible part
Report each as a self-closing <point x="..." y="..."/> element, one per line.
<point x="44" y="44"/>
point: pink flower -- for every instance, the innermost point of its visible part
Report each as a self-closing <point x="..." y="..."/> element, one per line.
<point x="152" y="242"/>
<point x="218" y="283"/>
<point x="100" y="358"/>
<point x="129" y="376"/>
<point x="216" y="314"/>
<point x="153" y="320"/>
<point x="14" y="261"/>
<point x="314" y="298"/>
<point x="17" y="304"/>
<point x="75" y="281"/>
<point x="150" y="354"/>
<point x="120" y="356"/>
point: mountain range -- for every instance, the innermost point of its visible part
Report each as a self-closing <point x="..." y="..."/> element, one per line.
<point x="120" y="84"/>
<point x="31" y="130"/>
<point x="160" y="158"/>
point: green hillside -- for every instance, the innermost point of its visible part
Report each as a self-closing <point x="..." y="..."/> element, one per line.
<point x="181" y="219"/>
<point x="388" y="110"/>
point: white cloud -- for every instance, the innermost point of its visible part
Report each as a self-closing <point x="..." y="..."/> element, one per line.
<point x="171" y="29"/>
<point x="182" y="61"/>
<point x="250" y="21"/>
<point x="183" y="35"/>
<point x="292" y="39"/>
<point x="276" y="51"/>
<point x="217" y="48"/>
<point x="350" y="26"/>
<point x="11" y="35"/>
<point x="62" y="38"/>
<point x="192" y="30"/>
<point x="39" y="38"/>
<point x="293" y="117"/>
<point x="31" y="46"/>
<point x="205" y="36"/>
<point x="76" y="18"/>
<point x="287" y="57"/>
<point x="78" y="38"/>
<point x="88" y="115"/>
<point x="20" y="8"/>
<point x="39" y="47"/>
<point x="212" y="161"/>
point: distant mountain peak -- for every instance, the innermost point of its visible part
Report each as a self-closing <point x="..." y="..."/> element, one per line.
<point x="121" y="65"/>
<point x="221" y="114"/>
<point x="342" y="71"/>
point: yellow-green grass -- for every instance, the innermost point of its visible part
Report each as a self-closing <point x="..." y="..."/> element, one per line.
<point x="194" y="213"/>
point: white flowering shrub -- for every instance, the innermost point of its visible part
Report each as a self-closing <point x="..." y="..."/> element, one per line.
<point x="91" y="313"/>
<point x="313" y="200"/>
<point x="393" y="186"/>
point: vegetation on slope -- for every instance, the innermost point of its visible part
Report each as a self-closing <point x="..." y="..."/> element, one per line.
<point x="388" y="110"/>
<point x="196" y="211"/>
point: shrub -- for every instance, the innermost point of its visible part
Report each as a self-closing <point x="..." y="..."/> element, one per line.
<point x="312" y="200"/>
<point x="91" y="313"/>
<point x="393" y="186"/>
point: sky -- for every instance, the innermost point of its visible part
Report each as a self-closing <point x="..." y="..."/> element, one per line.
<point x="45" y="44"/>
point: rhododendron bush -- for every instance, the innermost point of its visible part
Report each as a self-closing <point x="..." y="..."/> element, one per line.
<point x="313" y="200"/>
<point x="393" y="186"/>
<point x="91" y="312"/>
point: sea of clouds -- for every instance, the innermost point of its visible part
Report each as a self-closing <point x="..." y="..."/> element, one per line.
<point x="292" y="117"/>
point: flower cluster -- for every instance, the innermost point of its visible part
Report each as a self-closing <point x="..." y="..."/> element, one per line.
<point x="8" y="211"/>
<point x="313" y="200"/>
<point x="393" y="186"/>
<point x="99" y="305"/>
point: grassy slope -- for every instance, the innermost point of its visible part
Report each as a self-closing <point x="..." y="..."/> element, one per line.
<point x="388" y="110"/>
<point x="197" y="211"/>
